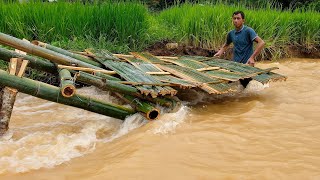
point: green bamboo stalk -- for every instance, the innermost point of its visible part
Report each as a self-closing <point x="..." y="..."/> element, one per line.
<point x="115" y="86"/>
<point x="41" y="64"/>
<point x="150" y="112"/>
<point x="52" y="93"/>
<point x="104" y="84"/>
<point x="42" y="52"/>
<point x="36" y="63"/>
<point x="67" y="53"/>
<point x="67" y="87"/>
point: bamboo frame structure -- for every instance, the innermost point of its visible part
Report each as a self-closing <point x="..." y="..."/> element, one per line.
<point x="52" y="93"/>
<point x="42" y="52"/>
<point x="67" y="53"/>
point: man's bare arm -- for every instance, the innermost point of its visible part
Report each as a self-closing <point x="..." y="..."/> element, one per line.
<point x="222" y="50"/>
<point x="259" y="47"/>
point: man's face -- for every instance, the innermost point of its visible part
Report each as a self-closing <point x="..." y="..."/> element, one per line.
<point x="237" y="20"/>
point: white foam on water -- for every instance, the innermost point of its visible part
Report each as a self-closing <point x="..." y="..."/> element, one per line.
<point x="47" y="148"/>
<point x="168" y="122"/>
<point x="45" y="145"/>
<point x="255" y="86"/>
<point x="132" y="122"/>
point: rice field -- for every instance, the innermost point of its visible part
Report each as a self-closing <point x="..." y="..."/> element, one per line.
<point x="130" y="26"/>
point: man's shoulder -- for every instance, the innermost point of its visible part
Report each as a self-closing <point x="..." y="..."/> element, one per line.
<point x="231" y="32"/>
<point x="247" y="28"/>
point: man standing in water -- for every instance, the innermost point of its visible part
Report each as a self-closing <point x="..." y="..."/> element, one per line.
<point x="242" y="38"/>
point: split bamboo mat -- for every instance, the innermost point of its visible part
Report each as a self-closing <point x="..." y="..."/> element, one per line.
<point x="212" y="75"/>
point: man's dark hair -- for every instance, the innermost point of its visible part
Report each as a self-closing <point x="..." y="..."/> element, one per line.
<point x="239" y="12"/>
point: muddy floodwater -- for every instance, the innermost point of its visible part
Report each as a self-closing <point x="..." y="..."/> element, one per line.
<point x="264" y="132"/>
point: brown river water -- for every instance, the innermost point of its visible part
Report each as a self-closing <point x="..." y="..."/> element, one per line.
<point x="263" y="132"/>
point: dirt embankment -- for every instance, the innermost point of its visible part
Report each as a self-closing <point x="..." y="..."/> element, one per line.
<point x="166" y="48"/>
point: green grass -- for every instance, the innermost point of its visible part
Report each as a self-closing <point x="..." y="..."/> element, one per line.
<point x="121" y="23"/>
<point x="207" y="25"/>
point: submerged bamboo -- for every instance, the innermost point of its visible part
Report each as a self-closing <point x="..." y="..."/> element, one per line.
<point x="67" y="53"/>
<point x="42" y="52"/>
<point x="67" y="87"/>
<point x="150" y="112"/>
<point x="52" y="93"/>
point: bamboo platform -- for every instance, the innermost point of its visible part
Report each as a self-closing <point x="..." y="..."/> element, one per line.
<point x="212" y="75"/>
<point x="139" y="78"/>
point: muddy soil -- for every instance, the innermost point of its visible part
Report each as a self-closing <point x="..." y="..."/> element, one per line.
<point x="167" y="48"/>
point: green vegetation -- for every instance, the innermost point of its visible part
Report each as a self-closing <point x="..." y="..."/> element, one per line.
<point x="129" y="26"/>
<point x="122" y="24"/>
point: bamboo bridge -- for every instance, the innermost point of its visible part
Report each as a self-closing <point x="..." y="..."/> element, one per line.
<point x="140" y="79"/>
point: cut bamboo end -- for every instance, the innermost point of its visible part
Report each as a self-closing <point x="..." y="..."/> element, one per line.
<point x="68" y="91"/>
<point x="153" y="114"/>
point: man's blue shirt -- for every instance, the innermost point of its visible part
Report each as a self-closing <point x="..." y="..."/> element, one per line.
<point x="243" y="43"/>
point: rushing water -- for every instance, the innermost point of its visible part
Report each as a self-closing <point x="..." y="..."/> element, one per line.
<point x="262" y="133"/>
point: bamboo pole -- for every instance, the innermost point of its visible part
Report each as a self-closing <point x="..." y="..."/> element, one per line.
<point x="87" y="69"/>
<point x="17" y="67"/>
<point x="52" y="93"/>
<point x="150" y="112"/>
<point x="36" y="63"/>
<point x="41" y="64"/>
<point x="42" y="52"/>
<point x="67" y="87"/>
<point x="106" y="84"/>
<point x="7" y="99"/>
<point x="116" y="86"/>
<point x="67" y="53"/>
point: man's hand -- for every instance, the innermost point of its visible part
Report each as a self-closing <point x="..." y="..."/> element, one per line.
<point x="218" y="54"/>
<point x="221" y="50"/>
<point x="251" y="61"/>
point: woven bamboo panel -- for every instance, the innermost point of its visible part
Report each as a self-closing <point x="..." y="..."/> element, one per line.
<point x="147" y="57"/>
<point x="265" y="78"/>
<point x="232" y="66"/>
<point x="248" y="71"/>
<point x="225" y="75"/>
<point x="146" y="66"/>
<point x="183" y="84"/>
<point x="132" y="74"/>
<point x="195" y="58"/>
<point x="209" y="84"/>
<point x="188" y="63"/>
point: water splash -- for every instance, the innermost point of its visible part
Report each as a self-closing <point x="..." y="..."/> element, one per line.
<point x="132" y="122"/>
<point x="167" y="123"/>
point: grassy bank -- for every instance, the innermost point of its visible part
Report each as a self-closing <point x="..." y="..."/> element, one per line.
<point x="207" y="25"/>
<point x="127" y="26"/>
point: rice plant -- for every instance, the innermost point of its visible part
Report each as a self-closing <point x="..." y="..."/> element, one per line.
<point x="206" y="25"/>
<point x="123" y="23"/>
